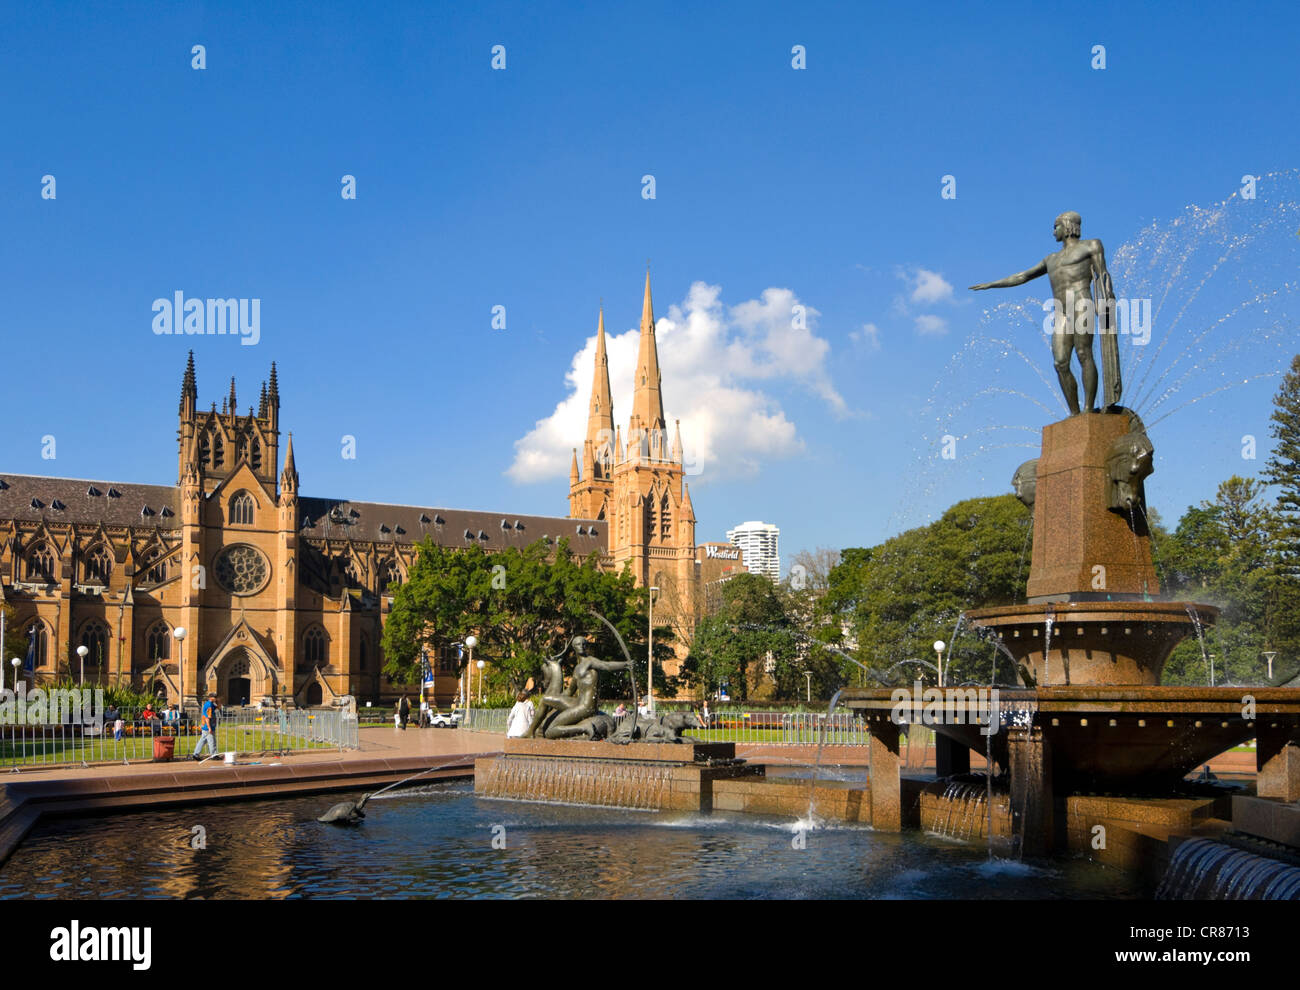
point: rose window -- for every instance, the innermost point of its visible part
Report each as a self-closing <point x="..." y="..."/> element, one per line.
<point x="242" y="569"/>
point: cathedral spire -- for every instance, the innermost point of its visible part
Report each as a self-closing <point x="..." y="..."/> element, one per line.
<point x="289" y="476"/>
<point x="261" y="405"/>
<point x="234" y="406"/>
<point x="647" y="401"/>
<point x="675" y="455"/>
<point x="574" y="476"/>
<point x="600" y="413"/>
<point x="273" y="390"/>
<point x="189" y="386"/>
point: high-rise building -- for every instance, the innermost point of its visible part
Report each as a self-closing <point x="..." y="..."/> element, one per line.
<point x="285" y="596"/>
<point x="759" y="542"/>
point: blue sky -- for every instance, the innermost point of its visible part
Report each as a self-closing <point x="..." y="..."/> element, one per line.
<point x="774" y="187"/>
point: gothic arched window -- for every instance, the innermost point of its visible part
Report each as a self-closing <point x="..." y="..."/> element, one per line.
<point x="158" y="642"/>
<point x="255" y="454"/>
<point x="390" y="575"/>
<point x="665" y="516"/>
<point x="351" y="573"/>
<point x="218" y="450"/>
<point x="36" y="628"/>
<point x="241" y="509"/>
<point x="156" y="565"/>
<point x="315" y="647"/>
<point x="98" y="566"/>
<point x="40" y="563"/>
<point x="94" y="637"/>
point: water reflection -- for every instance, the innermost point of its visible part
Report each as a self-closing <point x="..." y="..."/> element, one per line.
<point x="438" y="842"/>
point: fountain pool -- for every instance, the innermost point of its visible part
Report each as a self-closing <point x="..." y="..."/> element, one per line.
<point x="437" y="841"/>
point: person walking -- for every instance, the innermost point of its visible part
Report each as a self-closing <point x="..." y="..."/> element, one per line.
<point x="403" y="711"/>
<point x="207" y="727"/>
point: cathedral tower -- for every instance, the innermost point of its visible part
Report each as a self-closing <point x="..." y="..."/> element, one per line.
<point x="589" y="496"/>
<point x="641" y="491"/>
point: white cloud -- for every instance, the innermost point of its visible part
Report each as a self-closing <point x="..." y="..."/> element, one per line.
<point x="868" y="336"/>
<point x="711" y="356"/>
<point x="929" y="287"/>
<point x="928" y="325"/>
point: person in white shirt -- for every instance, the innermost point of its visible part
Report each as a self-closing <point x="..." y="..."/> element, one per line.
<point x="521" y="717"/>
<point x="644" y="710"/>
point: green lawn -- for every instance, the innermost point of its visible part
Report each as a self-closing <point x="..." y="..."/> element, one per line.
<point x="52" y="750"/>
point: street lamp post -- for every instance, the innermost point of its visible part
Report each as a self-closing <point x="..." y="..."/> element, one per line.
<point x="650" y="657"/>
<point x="479" y="665"/>
<point x="1269" y="655"/>
<point x="1211" y="670"/>
<point x="180" y="632"/>
<point x="808" y="674"/>
<point x="82" y="650"/>
<point x="470" y="643"/>
<point x="15" y="661"/>
<point x="939" y="646"/>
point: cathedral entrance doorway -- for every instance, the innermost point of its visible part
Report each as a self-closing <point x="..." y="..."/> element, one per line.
<point x="238" y="691"/>
<point x="235" y="680"/>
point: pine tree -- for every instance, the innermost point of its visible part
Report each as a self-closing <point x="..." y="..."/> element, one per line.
<point x="1283" y="471"/>
<point x="1283" y="467"/>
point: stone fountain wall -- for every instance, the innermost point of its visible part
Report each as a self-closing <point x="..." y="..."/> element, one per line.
<point x="643" y="776"/>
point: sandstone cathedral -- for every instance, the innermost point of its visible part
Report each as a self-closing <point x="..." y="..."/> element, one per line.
<point x="284" y="595"/>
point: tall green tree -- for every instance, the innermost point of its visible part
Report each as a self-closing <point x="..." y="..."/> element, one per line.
<point x="523" y="606"/>
<point x="1283" y="467"/>
<point x="902" y="595"/>
<point x="1224" y="553"/>
<point x="1283" y="472"/>
<point x="734" y="645"/>
<point x="15" y="642"/>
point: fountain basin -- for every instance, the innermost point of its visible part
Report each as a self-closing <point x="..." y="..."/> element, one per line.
<point x="1125" y="739"/>
<point x="1101" y="642"/>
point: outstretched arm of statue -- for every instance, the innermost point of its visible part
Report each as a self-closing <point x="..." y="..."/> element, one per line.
<point x="610" y="664"/>
<point x="1020" y="278"/>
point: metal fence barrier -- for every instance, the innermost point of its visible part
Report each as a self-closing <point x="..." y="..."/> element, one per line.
<point x="486" y="720"/>
<point x="769" y="728"/>
<point x="244" y="730"/>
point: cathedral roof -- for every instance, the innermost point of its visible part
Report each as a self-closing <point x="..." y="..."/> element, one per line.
<point x="337" y="519"/>
<point x="31" y="498"/>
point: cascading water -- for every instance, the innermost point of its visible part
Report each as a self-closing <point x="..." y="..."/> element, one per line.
<point x="1047" y="645"/>
<point x="1200" y="637"/>
<point x="817" y="765"/>
<point x="1208" y="869"/>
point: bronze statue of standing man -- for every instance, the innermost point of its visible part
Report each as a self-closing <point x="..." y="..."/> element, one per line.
<point x="1075" y="269"/>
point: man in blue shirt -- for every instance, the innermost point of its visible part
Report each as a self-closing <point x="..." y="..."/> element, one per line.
<point x="207" y="727"/>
